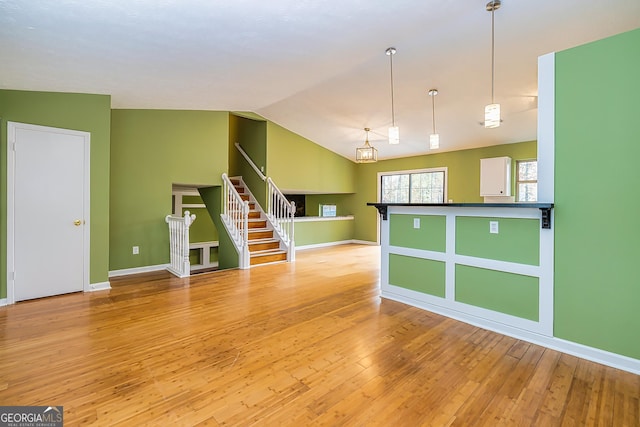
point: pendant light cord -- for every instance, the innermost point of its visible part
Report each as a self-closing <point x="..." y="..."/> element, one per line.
<point x="433" y="111"/>
<point x="493" y="56"/>
<point x="393" y="115"/>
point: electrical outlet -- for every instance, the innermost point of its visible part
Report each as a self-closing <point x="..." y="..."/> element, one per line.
<point x="493" y="227"/>
<point x="416" y="222"/>
<point x="136" y="250"/>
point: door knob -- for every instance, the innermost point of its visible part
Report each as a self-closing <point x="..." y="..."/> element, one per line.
<point x="77" y="222"/>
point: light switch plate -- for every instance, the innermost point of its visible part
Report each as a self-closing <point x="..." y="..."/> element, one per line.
<point x="416" y="222"/>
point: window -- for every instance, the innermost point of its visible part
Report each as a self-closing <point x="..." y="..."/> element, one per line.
<point x="423" y="186"/>
<point x="527" y="180"/>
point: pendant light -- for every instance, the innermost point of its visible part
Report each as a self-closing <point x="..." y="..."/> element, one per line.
<point x="367" y="153"/>
<point x="394" y="131"/>
<point x="492" y="111"/>
<point x="434" y="138"/>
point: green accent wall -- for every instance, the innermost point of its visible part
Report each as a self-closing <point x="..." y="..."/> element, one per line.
<point x="507" y="293"/>
<point x="421" y="275"/>
<point x="431" y="236"/>
<point x="252" y="136"/>
<point x="89" y="113"/>
<point x="463" y="178"/>
<point x="517" y="240"/>
<point x="202" y="229"/>
<point x="298" y="164"/>
<point x="150" y="151"/>
<point x="315" y="232"/>
<point x="227" y="254"/>
<point x="597" y="147"/>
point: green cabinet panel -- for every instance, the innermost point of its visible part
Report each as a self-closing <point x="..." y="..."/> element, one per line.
<point x="418" y="274"/>
<point x="517" y="240"/>
<point x="431" y="235"/>
<point x="507" y="293"/>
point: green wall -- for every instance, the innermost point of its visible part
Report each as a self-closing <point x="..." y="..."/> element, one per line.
<point x="297" y="164"/>
<point x="89" y="113"/>
<point x="227" y="254"/>
<point x="203" y="228"/>
<point x="150" y="151"/>
<point x="597" y="225"/>
<point x="251" y="134"/>
<point x="316" y="232"/>
<point x="463" y="178"/>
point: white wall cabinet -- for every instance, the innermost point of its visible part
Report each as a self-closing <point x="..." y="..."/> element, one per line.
<point x="495" y="176"/>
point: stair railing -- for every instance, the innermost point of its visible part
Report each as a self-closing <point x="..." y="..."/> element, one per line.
<point x="179" y="243"/>
<point x="251" y="163"/>
<point x="280" y="213"/>
<point x="235" y="217"/>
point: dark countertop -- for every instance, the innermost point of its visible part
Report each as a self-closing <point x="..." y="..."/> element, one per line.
<point x="545" y="208"/>
<point x="471" y="205"/>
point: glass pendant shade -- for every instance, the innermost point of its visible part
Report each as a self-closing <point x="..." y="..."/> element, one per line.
<point x="492" y="116"/>
<point x="394" y="135"/>
<point x="434" y="141"/>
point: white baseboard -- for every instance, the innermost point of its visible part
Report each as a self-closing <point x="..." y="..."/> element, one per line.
<point x="324" y="245"/>
<point x="603" y="357"/>
<point x="3" y="302"/>
<point x="137" y="270"/>
<point x="365" y="242"/>
<point x="102" y="286"/>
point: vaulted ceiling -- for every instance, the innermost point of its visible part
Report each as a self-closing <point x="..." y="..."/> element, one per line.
<point x="316" y="67"/>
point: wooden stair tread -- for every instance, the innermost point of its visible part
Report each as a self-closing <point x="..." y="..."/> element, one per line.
<point x="268" y="256"/>
<point x="268" y="252"/>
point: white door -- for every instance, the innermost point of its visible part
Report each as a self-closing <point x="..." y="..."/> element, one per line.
<point x="48" y="207"/>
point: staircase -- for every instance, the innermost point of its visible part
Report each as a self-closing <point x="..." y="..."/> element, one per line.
<point x="265" y="246"/>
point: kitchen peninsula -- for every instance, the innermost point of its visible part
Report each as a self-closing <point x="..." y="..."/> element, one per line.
<point x="488" y="264"/>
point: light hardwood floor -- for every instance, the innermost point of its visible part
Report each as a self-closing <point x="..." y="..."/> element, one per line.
<point x="308" y="343"/>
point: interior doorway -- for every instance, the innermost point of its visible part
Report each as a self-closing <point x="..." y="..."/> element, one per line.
<point x="47" y="211"/>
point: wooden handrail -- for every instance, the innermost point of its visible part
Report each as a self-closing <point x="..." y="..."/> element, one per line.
<point x="253" y="165"/>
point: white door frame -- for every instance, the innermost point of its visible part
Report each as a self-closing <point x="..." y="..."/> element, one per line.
<point x="11" y="139"/>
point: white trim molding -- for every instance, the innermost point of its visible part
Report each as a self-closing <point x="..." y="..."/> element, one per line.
<point x="364" y="242"/>
<point x="101" y="286"/>
<point x="138" y="270"/>
<point x="337" y="243"/>
<point x="546" y="127"/>
<point x="3" y="302"/>
<point x="323" y="218"/>
<point x="324" y="245"/>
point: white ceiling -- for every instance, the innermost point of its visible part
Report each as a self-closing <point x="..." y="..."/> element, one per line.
<point x="316" y="67"/>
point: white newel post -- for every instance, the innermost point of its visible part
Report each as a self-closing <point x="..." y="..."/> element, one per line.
<point x="292" y="241"/>
<point x="179" y="243"/>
